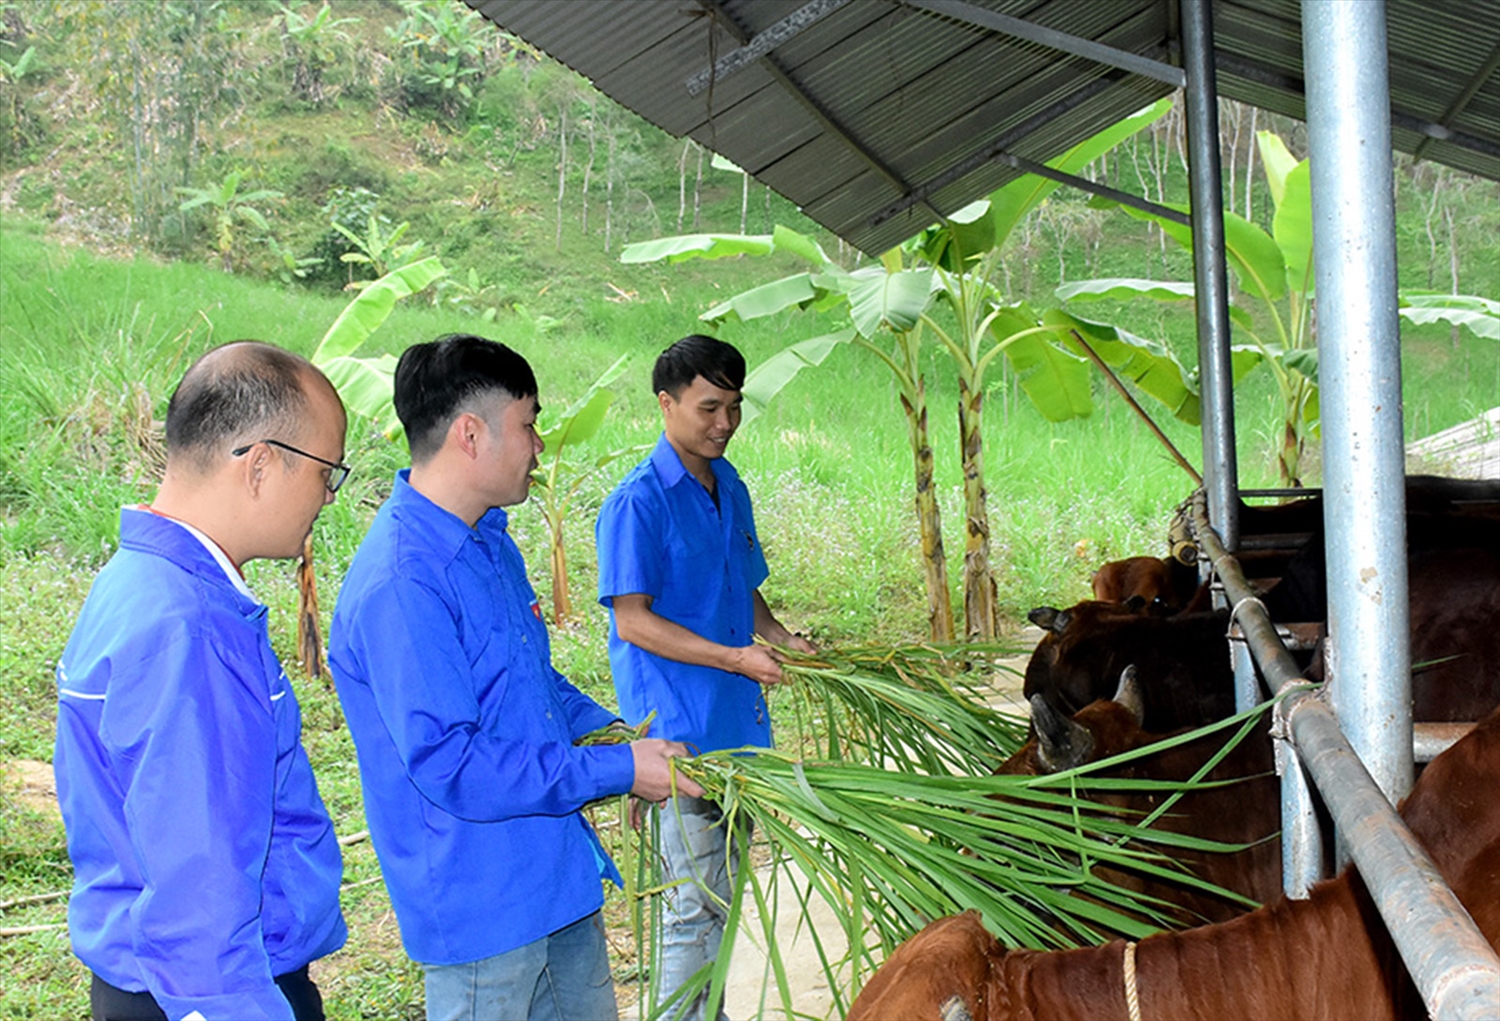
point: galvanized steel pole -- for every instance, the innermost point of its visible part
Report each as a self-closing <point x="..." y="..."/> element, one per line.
<point x="1210" y="279"/>
<point x="1364" y="468"/>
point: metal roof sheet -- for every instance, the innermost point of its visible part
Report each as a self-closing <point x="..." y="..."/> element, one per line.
<point x="878" y="116"/>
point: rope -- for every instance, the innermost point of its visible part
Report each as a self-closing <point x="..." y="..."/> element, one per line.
<point x="1132" y="994"/>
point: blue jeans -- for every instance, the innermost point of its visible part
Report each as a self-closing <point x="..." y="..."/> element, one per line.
<point x="693" y="848"/>
<point x="561" y="977"/>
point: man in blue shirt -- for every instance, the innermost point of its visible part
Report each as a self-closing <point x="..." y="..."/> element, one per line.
<point x="680" y="568"/>
<point x="465" y="734"/>
<point x="206" y="872"/>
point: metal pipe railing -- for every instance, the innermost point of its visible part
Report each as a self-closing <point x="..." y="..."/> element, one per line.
<point x="1449" y="959"/>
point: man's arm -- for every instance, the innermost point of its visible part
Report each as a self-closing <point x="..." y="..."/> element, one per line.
<point x="772" y="630"/>
<point x="641" y="626"/>
<point x="198" y="747"/>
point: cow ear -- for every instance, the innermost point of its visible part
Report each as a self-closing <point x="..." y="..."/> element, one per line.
<point x="1060" y="743"/>
<point x="1128" y="694"/>
<point x="1043" y="616"/>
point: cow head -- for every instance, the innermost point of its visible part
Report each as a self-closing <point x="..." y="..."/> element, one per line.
<point x="1104" y="728"/>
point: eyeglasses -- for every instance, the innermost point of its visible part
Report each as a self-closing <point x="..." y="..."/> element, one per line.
<point x="337" y="472"/>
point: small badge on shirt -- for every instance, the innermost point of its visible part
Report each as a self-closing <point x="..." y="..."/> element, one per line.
<point x="536" y="609"/>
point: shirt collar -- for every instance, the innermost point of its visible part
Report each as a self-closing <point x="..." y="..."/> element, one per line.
<point x="446" y="528"/>
<point x="214" y="550"/>
<point x="671" y="470"/>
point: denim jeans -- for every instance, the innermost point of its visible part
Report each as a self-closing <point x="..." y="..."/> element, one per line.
<point x="694" y="849"/>
<point x="561" y="977"/>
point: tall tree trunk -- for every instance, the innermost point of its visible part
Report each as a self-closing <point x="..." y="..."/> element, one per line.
<point x="588" y="170"/>
<point x="609" y="185"/>
<point x="682" y="183"/>
<point x="562" y="170"/>
<point x="1250" y="163"/>
<point x="929" y="518"/>
<point x="980" y="613"/>
<point x="698" y="190"/>
<point x="744" y="200"/>
<point x="309" y="633"/>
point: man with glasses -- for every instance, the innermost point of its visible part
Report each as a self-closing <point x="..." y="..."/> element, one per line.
<point x="206" y="872"/>
<point x="473" y="786"/>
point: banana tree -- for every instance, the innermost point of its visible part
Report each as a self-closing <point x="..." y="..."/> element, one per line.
<point x="1275" y="271"/>
<point x="951" y="263"/>
<point x="230" y="207"/>
<point x="366" y="385"/>
<point x="558" y="479"/>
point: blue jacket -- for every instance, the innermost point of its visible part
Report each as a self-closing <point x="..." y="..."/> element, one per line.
<point x="204" y="861"/>
<point x="465" y="736"/>
<point x="660" y="534"/>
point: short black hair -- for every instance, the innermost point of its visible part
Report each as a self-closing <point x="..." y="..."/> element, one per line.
<point x="435" y="382"/>
<point x="236" y="393"/>
<point x="696" y="355"/>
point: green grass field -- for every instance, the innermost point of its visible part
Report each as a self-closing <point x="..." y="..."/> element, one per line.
<point x="93" y="345"/>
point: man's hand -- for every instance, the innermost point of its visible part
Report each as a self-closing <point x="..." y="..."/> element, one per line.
<point x="757" y="663"/>
<point x="654" y="781"/>
<point x="800" y="644"/>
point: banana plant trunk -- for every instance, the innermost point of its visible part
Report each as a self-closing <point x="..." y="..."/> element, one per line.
<point x="1293" y="437"/>
<point x="562" y="602"/>
<point x="929" y="517"/>
<point x="980" y="598"/>
<point x="309" y="634"/>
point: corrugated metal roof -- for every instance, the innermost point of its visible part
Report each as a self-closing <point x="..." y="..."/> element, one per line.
<point x="881" y="115"/>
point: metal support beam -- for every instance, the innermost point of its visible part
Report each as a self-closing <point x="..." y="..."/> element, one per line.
<point x="1210" y="277"/>
<point x="1238" y="66"/>
<point x="1093" y="188"/>
<point x="1476" y="82"/>
<point x="1359" y="367"/>
<point x="830" y="126"/>
<point x="1051" y="37"/>
<point x="762" y="43"/>
<point x="922" y="192"/>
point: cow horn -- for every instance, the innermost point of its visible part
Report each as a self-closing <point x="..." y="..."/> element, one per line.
<point x="1060" y="743"/>
<point x="1050" y="618"/>
<point x="1128" y="694"/>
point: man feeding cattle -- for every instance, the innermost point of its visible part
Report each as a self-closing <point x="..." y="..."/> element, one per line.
<point x="206" y="873"/>
<point x="680" y="568"/>
<point x="473" y="786"/>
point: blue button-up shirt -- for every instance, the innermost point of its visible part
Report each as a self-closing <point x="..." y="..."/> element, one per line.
<point x="465" y="736"/>
<point x="204" y="861"/>
<point x="660" y="534"/>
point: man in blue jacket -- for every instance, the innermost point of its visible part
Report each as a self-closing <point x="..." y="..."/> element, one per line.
<point x="465" y="733"/>
<point x="680" y="568"/>
<point x="206" y="872"/>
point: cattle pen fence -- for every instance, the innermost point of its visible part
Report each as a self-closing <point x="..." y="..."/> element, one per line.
<point x="1450" y="961"/>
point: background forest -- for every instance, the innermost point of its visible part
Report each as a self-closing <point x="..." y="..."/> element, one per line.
<point x="179" y="174"/>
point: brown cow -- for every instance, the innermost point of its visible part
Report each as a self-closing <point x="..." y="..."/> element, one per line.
<point x="1183" y="661"/>
<point x="1246" y="810"/>
<point x="1325" y="957"/>
<point x="1157" y="586"/>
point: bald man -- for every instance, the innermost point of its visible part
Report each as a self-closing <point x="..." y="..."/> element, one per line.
<point x="206" y="873"/>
